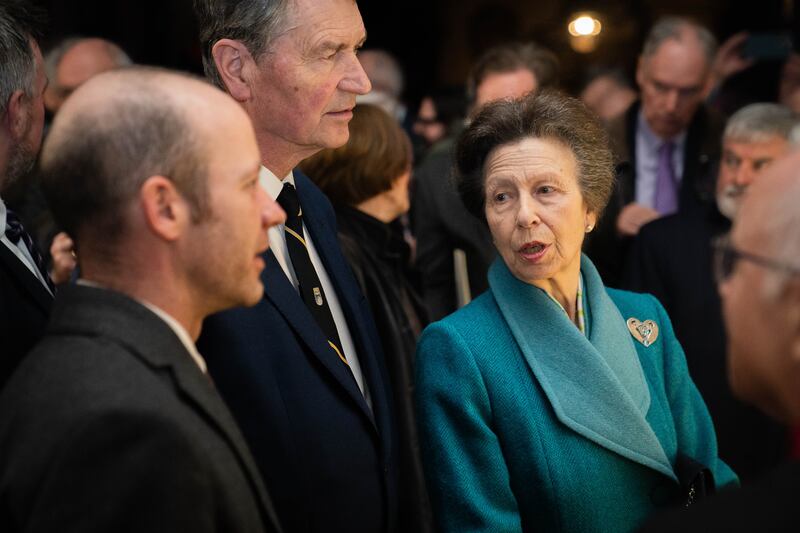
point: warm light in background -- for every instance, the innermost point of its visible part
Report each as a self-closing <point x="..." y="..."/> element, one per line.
<point x="584" y="29"/>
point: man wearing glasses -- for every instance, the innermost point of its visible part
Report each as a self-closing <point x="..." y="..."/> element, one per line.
<point x="758" y="272"/>
<point x="671" y="258"/>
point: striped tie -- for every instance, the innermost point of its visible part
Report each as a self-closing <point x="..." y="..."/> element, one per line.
<point x="15" y="231"/>
<point x="310" y="286"/>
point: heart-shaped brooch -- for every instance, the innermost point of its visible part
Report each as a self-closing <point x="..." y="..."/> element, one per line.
<point x="645" y="332"/>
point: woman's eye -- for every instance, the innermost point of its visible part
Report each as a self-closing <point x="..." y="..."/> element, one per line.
<point x="545" y="189"/>
<point x="500" y="197"/>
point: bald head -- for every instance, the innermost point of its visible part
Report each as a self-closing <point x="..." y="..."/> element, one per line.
<point x="77" y="60"/>
<point x="120" y="128"/>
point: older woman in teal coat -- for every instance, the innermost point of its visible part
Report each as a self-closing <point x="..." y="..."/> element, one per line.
<point x="552" y="403"/>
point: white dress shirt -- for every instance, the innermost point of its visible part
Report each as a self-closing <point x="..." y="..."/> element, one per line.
<point x="19" y="249"/>
<point x="277" y="243"/>
<point x="647" y="145"/>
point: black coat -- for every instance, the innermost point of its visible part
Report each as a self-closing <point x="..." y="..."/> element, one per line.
<point x="24" y="308"/>
<point x="671" y="258"/>
<point x="441" y="225"/>
<point x="109" y="425"/>
<point x="380" y="259"/>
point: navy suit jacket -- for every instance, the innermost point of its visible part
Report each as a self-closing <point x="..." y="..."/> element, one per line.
<point x="327" y="458"/>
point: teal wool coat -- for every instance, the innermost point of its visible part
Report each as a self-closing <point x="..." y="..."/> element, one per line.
<point x="527" y="424"/>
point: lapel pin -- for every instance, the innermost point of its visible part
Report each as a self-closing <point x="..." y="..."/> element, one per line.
<point x="645" y="332"/>
<point x="318" y="296"/>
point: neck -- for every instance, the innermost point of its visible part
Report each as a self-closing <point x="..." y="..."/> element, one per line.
<point x="280" y="156"/>
<point x="563" y="287"/>
<point x="379" y="207"/>
<point x="168" y="293"/>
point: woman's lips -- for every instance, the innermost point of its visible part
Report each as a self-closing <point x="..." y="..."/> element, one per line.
<point x="533" y="251"/>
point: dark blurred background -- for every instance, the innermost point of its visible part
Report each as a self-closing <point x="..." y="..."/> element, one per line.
<point x="435" y="40"/>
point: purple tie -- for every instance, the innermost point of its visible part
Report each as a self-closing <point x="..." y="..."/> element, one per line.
<point x="15" y="232"/>
<point x="666" y="187"/>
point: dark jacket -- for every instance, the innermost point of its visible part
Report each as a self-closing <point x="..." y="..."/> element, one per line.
<point x="24" y="308"/>
<point x="604" y="246"/>
<point x="109" y="425"/>
<point x="327" y="457"/>
<point x="380" y="259"/>
<point x="441" y="225"/>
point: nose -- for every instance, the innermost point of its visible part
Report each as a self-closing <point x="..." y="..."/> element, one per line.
<point x="744" y="175"/>
<point x="355" y="79"/>
<point x="527" y="214"/>
<point x="271" y="212"/>
<point x="671" y="101"/>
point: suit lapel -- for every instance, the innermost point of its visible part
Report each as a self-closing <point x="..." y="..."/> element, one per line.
<point x="280" y="292"/>
<point x="26" y="279"/>
<point x="114" y="315"/>
<point x="327" y="245"/>
<point x="596" y="388"/>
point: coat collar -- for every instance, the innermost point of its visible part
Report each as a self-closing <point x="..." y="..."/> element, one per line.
<point x="92" y="311"/>
<point x="25" y="278"/>
<point x="595" y="385"/>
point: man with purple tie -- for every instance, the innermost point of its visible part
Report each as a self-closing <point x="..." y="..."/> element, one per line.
<point x="664" y="143"/>
<point x="26" y="291"/>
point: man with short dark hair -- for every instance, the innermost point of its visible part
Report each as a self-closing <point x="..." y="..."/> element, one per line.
<point x="111" y="422"/>
<point x="303" y="371"/>
<point x="26" y="291"/>
<point x="454" y="249"/>
<point x="664" y="143"/>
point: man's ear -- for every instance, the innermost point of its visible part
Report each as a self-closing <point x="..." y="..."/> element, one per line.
<point x="16" y="118"/>
<point x="165" y="211"/>
<point x="233" y="61"/>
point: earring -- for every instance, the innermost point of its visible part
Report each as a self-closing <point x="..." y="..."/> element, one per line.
<point x="589" y="228"/>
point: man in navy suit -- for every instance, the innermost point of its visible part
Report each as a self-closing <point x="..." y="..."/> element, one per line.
<point x="26" y="293"/>
<point x="302" y="371"/>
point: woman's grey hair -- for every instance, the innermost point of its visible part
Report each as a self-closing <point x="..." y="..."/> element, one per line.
<point x="546" y="115"/>
<point x="256" y="23"/>
<point x="759" y="122"/>
<point x="672" y="27"/>
<point x="19" y="27"/>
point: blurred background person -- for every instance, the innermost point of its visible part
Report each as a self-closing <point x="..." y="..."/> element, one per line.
<point x="607" y="92"/>
<point x="550" y="399"/>
<point x="388" y="82"/>
<point x="440" y="117"/>
<point x="664" y="144"/>
<point x="758" y="274"/>
<point x="671" y="259"/>
<point x="367" y="181"/>
<point x="454" y="250"/>
<point x="73" y="61"/>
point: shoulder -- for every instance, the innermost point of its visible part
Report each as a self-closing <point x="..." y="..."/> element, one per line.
<point x="630" y="303"/>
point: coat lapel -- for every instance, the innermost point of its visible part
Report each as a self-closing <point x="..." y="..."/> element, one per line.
<point x="116" y="316"/>
<point x="26" y="279"/>
<point x="596" y="386"/>
<point x="280" y="292"/>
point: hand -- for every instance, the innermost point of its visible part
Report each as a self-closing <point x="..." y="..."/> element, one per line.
<point x="633" y="216"/>
<point x="64" y="260"/>
<point x="729" y="59"/>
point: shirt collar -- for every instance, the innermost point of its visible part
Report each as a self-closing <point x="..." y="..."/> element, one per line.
<point x="272" y="183"/>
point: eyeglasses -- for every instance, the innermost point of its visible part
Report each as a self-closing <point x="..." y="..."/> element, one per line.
<point x="726" y="256"/>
